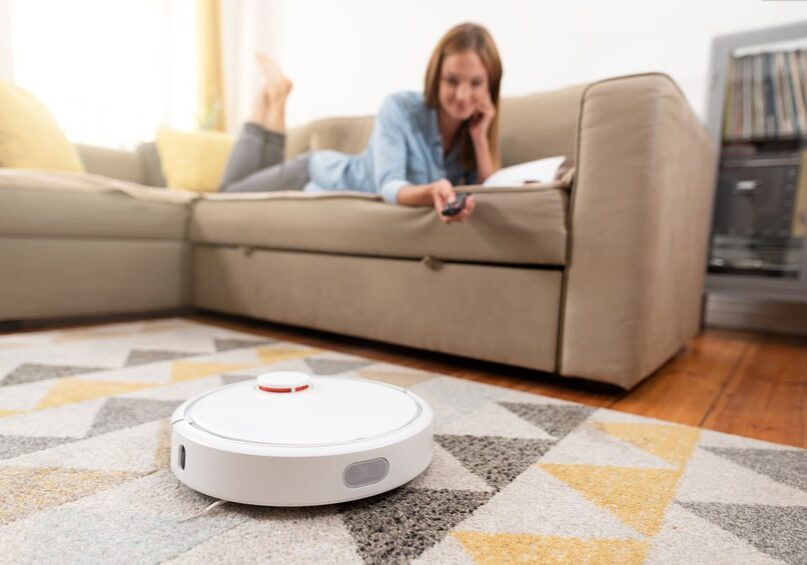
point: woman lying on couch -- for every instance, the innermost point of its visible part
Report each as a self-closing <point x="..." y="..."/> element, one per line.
<point x="422" y="145"/>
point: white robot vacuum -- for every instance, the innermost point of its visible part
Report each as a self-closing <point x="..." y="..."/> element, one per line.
<point x="290" y="439"/>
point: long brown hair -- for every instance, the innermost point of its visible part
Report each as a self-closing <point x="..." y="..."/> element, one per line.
<point x="461" y="38"/>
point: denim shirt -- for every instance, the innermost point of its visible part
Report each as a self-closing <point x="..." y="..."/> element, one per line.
<point x="405" y="148"/>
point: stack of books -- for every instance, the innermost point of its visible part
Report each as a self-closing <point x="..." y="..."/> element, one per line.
<point x="766" y="96"/>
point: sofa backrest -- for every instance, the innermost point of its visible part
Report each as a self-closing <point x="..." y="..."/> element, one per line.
<point x="115" y="163"/>
<point x="540" y="125"/>
<point x="530" y="127"/>
<point x="342" y="134"/>
<point x="141" y="166"/>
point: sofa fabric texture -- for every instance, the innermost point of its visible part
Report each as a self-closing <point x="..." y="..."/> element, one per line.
<point x="51" y="205"/>
<point x="645" y="175"/>
<point x="434" y="307"/>
<point x="602" y="279"/>
<point x="524" y="226"/>
<point x="45" y="277"/>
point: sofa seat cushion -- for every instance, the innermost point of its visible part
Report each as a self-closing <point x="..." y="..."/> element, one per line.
<point x="62" y="204"/>
<point x="510" y="225"/>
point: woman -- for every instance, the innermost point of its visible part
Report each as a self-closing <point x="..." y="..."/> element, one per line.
<point x="422" y="145"/>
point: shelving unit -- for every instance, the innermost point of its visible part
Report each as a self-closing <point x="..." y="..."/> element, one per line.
<point x="758" y="117"/>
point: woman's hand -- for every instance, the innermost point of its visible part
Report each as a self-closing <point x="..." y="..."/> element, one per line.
<point x="442" y="194"/>
<point x="480" y="121"/>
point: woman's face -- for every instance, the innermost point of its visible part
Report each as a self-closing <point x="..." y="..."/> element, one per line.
<point x="463" y="84"/>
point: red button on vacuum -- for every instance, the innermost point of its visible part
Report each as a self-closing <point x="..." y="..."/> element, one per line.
<point x="284" y="381"/>
<point x="271" y="389"/>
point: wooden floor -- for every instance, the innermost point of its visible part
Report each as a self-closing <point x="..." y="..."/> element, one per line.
<point x="745" y="383"/>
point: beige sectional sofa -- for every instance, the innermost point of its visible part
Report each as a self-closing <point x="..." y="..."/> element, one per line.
<point x="601" y="280"/>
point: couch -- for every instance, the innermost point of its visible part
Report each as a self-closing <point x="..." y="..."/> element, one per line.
<point x="602" y="279"/>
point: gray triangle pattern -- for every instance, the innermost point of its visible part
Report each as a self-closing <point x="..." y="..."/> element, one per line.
<point x="399" y="526"/>
<point x="143" y="356"/>
<point x="119" y="413"/>
<point x="556" y="420"/>
<point x="327" y="367"/>
<point x="779" y="531"/>
<point x="230" y="344"/>
<point x="497" y="460"/>
<point x="788" y="467"/>
<point x="32" y="372"/>
<point x="12" y="446"/>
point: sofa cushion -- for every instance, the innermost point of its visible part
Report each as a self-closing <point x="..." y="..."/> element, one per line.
<point x="193" y="160"/>
<point x="510" y="225"/>
<point x="62" y="204"/>
<point x="30" y="137"/>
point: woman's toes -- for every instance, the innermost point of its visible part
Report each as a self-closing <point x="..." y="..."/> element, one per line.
<point x="285" y="86"/>
<point x="270" y="70"/>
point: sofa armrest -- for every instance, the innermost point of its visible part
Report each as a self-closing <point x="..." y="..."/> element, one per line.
<point x="114" y="163"/>
<point x="639" y="219"/>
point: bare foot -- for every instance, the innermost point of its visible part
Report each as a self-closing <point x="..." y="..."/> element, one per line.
<point x="276" y="83"/>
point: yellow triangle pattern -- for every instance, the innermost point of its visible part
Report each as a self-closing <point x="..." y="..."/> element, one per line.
<point x="114" y="331"/>
<point x="29" y="490"/>
<point x="188" y="370"/>
<point x="5" y="413"/>
<point x="162" y="453"/>
<point x="93" y="332"/>
<point x="271" y="355"/>
<point x="638" y="496"/>
<point x="495" y="549"/>
<point x="67" y="391"/>
<point x="14" y="345"/>
<point x="402" y="379"/>
<point x="674" y="444"/>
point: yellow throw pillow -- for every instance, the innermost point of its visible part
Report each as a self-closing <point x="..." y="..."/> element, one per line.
<point x="30" y="138"/>
<point x="193" y="160"/>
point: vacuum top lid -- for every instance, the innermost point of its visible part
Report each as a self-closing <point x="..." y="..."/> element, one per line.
<point x="294" y="409"/>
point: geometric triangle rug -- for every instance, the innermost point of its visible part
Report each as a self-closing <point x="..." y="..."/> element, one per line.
<point x="84" y="473"/>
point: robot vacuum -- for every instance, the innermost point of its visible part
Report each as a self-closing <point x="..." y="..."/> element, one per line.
<point x="291" y="439"/>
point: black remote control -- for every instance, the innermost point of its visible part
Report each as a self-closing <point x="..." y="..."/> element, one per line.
<point x="454" y="208"/>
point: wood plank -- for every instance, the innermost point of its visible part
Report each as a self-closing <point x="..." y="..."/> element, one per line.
<point x="685" y="388"/>
<point x="767" y="396"/>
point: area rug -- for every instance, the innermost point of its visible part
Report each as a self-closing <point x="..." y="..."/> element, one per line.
<point x="516" y="477"/>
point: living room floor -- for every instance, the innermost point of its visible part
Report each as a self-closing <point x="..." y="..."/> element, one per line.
<point x="746" y="383"/>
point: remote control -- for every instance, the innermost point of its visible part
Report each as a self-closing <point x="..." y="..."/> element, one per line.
<point x="454" y="208"/>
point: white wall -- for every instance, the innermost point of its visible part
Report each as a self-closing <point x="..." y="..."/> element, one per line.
<point x="110" y="72"/>
<point x="345" y="56"/>
<point x="5" y="39"/>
